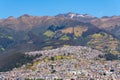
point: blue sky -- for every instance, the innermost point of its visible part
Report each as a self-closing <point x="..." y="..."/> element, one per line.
<point x="52" y="7"/>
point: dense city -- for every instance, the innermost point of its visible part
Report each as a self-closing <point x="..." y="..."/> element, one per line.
<point x="66" y="63"/>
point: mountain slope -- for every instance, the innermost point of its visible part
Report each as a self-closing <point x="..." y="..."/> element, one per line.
<point x="31" y="33"/>
<point x="46" y="32"/>
<point x="109" y="24"/>
<point x="32" y="30"/>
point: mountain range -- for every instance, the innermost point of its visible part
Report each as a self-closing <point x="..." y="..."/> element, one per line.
<point x="35" y="32"/>
<point x="30" y="33"/>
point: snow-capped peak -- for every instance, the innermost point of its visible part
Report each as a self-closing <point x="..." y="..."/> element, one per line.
<point x="75" y="15"/>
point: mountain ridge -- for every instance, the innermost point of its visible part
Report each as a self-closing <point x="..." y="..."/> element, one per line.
<point x="38" y="29"/>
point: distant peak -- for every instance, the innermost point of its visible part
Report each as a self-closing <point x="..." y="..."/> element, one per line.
<point x="105" y="17"/>
<point x="25" y="15"/>
<point x="72" y="15"/>
<point x="11" y="17"/>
